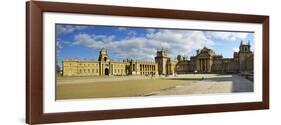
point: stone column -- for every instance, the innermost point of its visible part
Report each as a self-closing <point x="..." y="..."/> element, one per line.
<point x="199" y="65"/>
<point x="148" y="68"/>
<point x="207" y="65"/>
<point x="145" y="69"/>
<point x="203" y="65"/>
<point x="206" y="68"/>
<point x="202" y="61"/>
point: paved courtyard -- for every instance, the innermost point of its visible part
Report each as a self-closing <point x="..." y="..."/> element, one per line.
<point x="133" y="86"/>
<point x="211" y="84"/>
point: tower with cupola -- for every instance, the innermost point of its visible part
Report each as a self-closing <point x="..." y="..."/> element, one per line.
<point x="244" y="53"/>
<point x="162" y="60"/>
<point x="104" y="62"/>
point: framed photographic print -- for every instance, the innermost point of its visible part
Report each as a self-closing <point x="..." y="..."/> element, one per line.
<point x="96" y="62"/>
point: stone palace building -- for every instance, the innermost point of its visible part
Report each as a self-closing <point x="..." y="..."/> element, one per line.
<point x="205" y="61"/>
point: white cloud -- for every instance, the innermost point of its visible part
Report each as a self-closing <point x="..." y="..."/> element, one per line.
<point x="58" y="44"/>
<point x="150" y="30"/>
<point x="65" y="28"/>
<point x="61" y="44"/>
<point x="229" y="36"/>
<point x="132" y="33"/>
<point x="122" y="28"/>
<point x="144" y="48"/>
<point x="235" y="49"/>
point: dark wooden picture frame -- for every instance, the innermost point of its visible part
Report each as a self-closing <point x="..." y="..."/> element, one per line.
<point x="34" y="61"/>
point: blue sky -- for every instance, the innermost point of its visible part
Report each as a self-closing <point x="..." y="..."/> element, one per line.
<point x="85" y="41"/>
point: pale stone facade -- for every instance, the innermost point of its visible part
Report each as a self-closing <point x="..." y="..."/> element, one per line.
<point x="205" y="61"/>
<point x="104" y="66"/>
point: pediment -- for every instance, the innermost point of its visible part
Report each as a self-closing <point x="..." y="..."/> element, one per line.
<point x="203" y="55"/>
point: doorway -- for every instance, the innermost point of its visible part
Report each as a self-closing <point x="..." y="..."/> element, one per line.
<point x="106" y="71"/>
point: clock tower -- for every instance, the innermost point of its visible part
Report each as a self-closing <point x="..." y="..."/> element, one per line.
<point x="104" y="62"/>
<point x="103" y="55"/>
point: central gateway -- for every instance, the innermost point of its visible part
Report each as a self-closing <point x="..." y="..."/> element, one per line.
<point x="106" y="71"/>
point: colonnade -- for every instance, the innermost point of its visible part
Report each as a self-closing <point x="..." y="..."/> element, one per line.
<point x="204" y="65"/>
<point x="147" y="69"/>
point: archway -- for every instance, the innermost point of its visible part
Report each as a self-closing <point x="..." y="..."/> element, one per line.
<point x="106" y="71"/>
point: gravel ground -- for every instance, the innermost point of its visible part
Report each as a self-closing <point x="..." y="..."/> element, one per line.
<point x="133" y="86"/>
